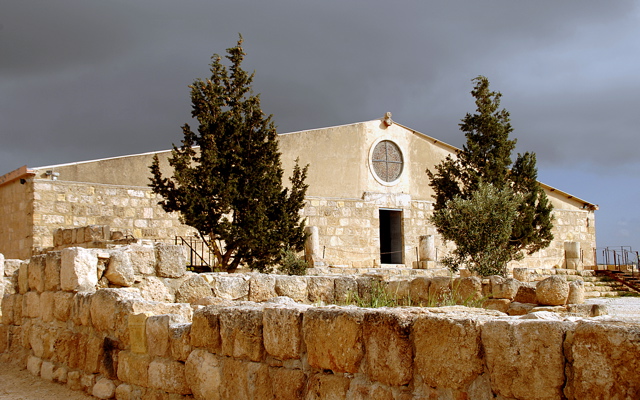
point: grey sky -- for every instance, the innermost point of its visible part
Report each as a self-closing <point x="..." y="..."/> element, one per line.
<point x="82" y="80"/>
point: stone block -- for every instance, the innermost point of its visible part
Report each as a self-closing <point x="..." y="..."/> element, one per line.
<point x="137" y="324"/>
<point x="179" y="341"/>
<point x="1" y="265"/>
<point x="52" y="267"/>
<point x="193" y="289"/>
<point x="388" y="346"/>
<point x="94" y="353"/>
<point x="203" y="373"/>
<point x="97" y="233"/>
<point x="294" y="287"/>
<point x="124" y="391"/>
<point x="287" y="384"/>
<point x="604" y="361"/>
<point x="87" y="381"/>
<point x="36" y="273"/>
<point x="231" y="287"/>
<point x="81" y="309"/>
<point x="110" y="306"/>
<point x="419" y="291"/>
<point x="325" y="386"/>
<point x="467" y="289"/>
<point x="143" y="259"/>
<point x="62" y="304"/>
<point x="104" y="389"/>
<point x="60" y="374"/>
<point x="11" y="266"/>
<point x="576" y="292"/>
<point x="245" y="380"/>
<point x="345" y="288"/>
<point x="8" y="309"/>
<point x="23" y="278"/>
<point x="58" y="239"/>
<point x="74" y="377"/>
<point x="120" y="269"/>
<point x="522" y="274"/>
<point x="157" y="308"/>
<point x="205" y="329"/>
<point x="504" y="288"/>
<point x="333" y="337"/>
<point x="75" y="350"/>
<point x="47" y="303"/>
<point x="262" y="287"/>
<point x="4" y="338"/>
<point x="40" y="341"/>
<point x="67" y="236"/>
<point x="171" y="260"/>
<point x="321" y="289"/>
<point x="34" y="364"/>
<point x="157" y="331"/>
<point x="282" y="331"/>
<point x="134" y="368"/>
<point x="552" y="291"/>
<point x="168" y="376"/>
<point x="78" y="270"/>
<point x="526" y="293"/>
<point x="31" y="305"/>
<point x="525" y="357"/>
<point x="399" y="289"/>
<point x="241" y="333"/>
<point x="448" y="350"/>
<point x="516" y="308"/>
<point x="440" y="288"/>
<point x="47" y="370"/>
<point x="153" y="289"/>
<point x="501" y="305"/>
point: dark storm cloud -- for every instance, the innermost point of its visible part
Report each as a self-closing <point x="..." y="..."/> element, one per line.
<point x="82" y="80"/>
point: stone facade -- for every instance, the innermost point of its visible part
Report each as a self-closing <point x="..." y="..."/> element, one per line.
<point x="358" y="217"/>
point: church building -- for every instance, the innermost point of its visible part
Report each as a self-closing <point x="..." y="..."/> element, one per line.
<point x="367" y="204"/>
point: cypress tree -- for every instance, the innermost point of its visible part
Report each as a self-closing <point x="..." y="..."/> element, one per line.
<point x="485" y="159"/>
<point x="227" y="176"/>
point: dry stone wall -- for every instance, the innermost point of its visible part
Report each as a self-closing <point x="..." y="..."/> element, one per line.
<point x="62" y="322"/>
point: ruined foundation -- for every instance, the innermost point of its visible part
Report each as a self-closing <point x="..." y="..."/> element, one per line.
<point x="164" y="333"/>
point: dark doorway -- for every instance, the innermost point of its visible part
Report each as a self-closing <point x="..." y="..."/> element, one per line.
<point x="391" y="237"/>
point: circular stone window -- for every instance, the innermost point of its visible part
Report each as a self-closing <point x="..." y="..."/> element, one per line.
<point x="386" y="160"/>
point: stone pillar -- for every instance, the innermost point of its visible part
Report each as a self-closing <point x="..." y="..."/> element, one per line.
<point x="427" y="251"/>
<point x="572" y="255"/>
<point x="312" y="246"/>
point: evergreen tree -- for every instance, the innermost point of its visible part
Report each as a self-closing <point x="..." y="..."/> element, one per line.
<point x="486" y="159"/>
<point x="227" y="177"/>
<point x="480" y="226"/>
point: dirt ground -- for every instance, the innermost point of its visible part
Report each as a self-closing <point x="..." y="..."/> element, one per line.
<point x="19" y="384"/>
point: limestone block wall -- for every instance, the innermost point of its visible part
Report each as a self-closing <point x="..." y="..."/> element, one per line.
<point x="349" y="229"/>
<point x="113" y="343"/>
<point x="130" y="209"/>
<point x="349" y="232"/>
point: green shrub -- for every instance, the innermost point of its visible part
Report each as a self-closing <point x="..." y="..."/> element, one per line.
<point x="292" y="264"/>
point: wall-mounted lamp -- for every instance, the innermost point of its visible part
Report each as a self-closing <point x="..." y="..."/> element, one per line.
<point x="54" y="175"/>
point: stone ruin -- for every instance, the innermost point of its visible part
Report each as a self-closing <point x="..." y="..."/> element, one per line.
<point x="130" y="322"/>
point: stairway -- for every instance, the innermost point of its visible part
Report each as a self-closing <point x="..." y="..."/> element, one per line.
<point x="627" y="281"/>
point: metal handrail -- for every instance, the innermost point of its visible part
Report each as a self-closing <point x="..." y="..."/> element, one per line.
<point x="201" y="260"/>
